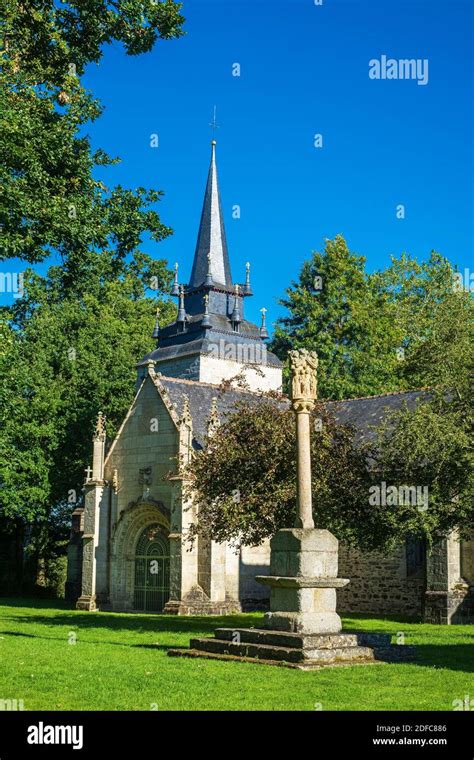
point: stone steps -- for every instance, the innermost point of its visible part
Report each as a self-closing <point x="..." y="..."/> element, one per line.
<point x="296" y="650"/>
<point x="282" y="653"/>
<point x="303" y="640"/>
<point x="307" y="665"/>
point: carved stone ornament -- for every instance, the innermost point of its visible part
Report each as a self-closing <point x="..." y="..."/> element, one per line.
<point x="186" y="419"/>
<point x="213" y="420"/>
<point x="304" y="382"/>
<point x="99" y="433"/>
<point x="145" y="476"/>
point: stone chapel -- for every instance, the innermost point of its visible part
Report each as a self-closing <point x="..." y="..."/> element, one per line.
<point x="128" y="549"/>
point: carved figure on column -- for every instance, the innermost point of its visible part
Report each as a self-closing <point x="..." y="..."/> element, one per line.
<point x="304" y="384"/>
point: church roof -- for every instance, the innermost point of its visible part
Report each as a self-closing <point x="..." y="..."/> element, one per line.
<point x="361" y="413"/>
<point x="211" y="239"/>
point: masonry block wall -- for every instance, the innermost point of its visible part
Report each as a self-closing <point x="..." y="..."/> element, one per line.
<point x="144" y="454"/>
<point x="254" y="560"/>
<point x="379" y="583"/>
<point x="148" y="439"/>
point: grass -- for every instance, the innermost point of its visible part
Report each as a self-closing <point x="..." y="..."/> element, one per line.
<point x="119" y="662"/>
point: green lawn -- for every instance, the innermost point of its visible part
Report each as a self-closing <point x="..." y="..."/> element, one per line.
<point x="119" y="662"/>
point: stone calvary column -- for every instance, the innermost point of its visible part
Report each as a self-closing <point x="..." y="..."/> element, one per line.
<point x="303" y="560"/>
<point x="302" y="629"/>
<point x="303" y="396"/>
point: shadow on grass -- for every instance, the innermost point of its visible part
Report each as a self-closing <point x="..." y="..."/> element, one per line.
<point x="35" y="603"/>
<point x="118" y="621"/>
<point x="455" y="657"/>
<point x="163" y="647"/>
<point x="452" y="656"/>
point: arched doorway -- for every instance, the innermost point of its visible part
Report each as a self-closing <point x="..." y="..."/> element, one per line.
<point x="152" y="570"/>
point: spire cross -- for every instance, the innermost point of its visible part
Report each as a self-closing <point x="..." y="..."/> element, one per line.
<point x="213" y="124"/>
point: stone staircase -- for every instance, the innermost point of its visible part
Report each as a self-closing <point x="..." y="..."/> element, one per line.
<point x="296" y="650"/>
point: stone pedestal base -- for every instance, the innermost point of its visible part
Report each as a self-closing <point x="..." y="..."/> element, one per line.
<point x="303" y="581"/>
<point x="86" y="602"/>
<point x="449" y="607"/>
<point x="296" y="650"/>
<point x="196" y="602"/>
<point x="302" y="628"/>
<point x="202" y="608"/>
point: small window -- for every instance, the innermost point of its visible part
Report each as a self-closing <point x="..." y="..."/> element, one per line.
<point x="415" y="556"/>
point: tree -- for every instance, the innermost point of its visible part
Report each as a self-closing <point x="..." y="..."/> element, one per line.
<point x="431" y="446"/>
<point x="335" y="310"/>
<point x="435" y="318"/>
<point x="49" y="199"/>
<point x="68" y="359"/>
<point x="243" y="483"/>
<point x="428" y="448"/>
<point x="72" y="340"/>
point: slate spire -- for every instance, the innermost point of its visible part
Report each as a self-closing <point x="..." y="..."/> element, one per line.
<point x="211" y="256"/>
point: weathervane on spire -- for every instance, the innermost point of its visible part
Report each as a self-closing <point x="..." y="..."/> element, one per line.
<point x="214" y="125"/>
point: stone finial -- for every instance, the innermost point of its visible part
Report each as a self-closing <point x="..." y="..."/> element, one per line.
<point x="235" y="317"/>
<point x="247" y="286"/>
<point x="213" y="421"/>
<point x="206" y="322"/>
<point x="99" y="433"/>
<point x="181" y="310"/>
<point x="263" y="326"/>
<point x="185" y="434"/>
<point x="98" y="449"/>
<point x="186" y="418"/>
<point x="175" y="288"/>
<point x="156" y="330"/>
<point x="304" y="383"/>
<point x="209" y="282"/>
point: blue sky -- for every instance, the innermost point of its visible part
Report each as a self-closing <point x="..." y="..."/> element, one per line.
<point x="304" y="70"/>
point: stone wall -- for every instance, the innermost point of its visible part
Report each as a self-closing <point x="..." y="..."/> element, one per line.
<point x="254" y="560"/>
<point x="143" y="455"/>
<point x="145" y="450"/>
<point x="467" y="560"/>
<point x="185" y="367"/>
<point x="379" y="583"/>
<point x="214" y="370"/>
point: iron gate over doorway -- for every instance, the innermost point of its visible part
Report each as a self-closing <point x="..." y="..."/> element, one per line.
<point x="152" y="570"/>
